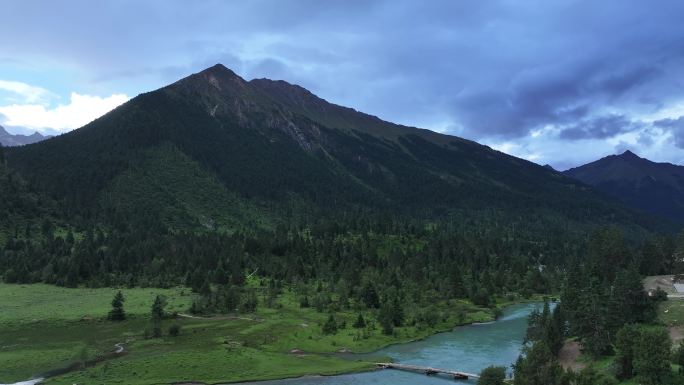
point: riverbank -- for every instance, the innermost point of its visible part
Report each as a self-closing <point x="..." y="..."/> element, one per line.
<point x="40" y="333"/>
<point x="468" y="348"/>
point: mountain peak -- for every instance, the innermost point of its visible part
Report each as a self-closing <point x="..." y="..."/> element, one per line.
<point x="7" y="139"/>
<point x="629" y="155"/>
<point x="639" y="182"/>
<point x="219" y="70"/>
<point x="217" y="87"/>
<point x="217" y="77"/>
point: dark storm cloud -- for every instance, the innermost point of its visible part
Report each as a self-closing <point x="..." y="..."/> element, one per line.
<point x="601" y="127"/>
<point x="488" y="70"/>
<point x="676" y="129"/>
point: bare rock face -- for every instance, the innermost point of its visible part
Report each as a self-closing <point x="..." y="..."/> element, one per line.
<point x="227" y="96"/>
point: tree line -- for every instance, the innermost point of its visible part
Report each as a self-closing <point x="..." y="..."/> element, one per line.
<point x="604" y="308"/>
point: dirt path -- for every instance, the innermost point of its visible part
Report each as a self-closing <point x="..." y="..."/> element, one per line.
<point x="568" y="356"/>
<point x="220" y="317"/>
<point x="676" y="334"/>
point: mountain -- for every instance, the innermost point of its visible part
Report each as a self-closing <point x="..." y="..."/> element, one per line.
<point x="7" y="139"/>
<point x="642" y="184"/>
<point x="213" y="149"/>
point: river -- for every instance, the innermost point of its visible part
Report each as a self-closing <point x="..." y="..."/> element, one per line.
<point x="466" y="348"/>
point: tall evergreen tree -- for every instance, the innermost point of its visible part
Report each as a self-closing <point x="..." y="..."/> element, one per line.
<point x="554" y="335"/>
<point x="592" y="321"/>
<point x="629" y="302"/>
<point x="625" y="342"/>
<point x="537" y="366"/>
<point x="330" y="326"/>
<point x="117" y="313"/>
<point x="652" y="354"/>
<point x="157" y="315"/>
<point x="360" y="322"/>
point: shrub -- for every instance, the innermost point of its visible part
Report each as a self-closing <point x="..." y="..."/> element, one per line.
<point x="174" y="330"/>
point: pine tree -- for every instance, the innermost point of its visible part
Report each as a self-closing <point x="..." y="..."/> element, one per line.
<point x="232" y="299"/>
<point x="158" y="315"/>
<point x="205" y="289"/>
<point x="535" y="326"/>
<point x="360" y="322"/>
<point x="250" y="302"/>
<point x="386" y="319"/>
<point x="330" y="326"/>
<point x="625" y="341"/>
<point x="457" y="288"/>
<point x="220" y="275"/>
<point x="158" y="307"/>
<point x="397" y="312"/>
<point x="555" y="336"/>
<point x="679" y="357"/>
<point x="571" y="296"/>
<point x="652" y="354"/>
<point x="629" y="302"/>
<point x="592" y="321"/>
<point x="537" y="367"/>
<point x="369" y="296"/>
<point x="117" y="313"/>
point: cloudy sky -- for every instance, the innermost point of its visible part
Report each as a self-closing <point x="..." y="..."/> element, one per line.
<point x="560" y="82"/>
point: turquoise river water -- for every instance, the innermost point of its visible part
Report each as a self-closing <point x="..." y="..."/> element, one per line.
<point x="466" y="348"/>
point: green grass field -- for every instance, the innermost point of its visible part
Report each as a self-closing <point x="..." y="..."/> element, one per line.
<point x="671" y="312"/>
<point x="44" y="327"/>
<point x="39" y="302"/>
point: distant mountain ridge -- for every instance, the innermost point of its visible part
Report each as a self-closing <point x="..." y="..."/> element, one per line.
<point x="265" y="142"/>
<point x="642" y="184"/>
<point x="7" y="139"/>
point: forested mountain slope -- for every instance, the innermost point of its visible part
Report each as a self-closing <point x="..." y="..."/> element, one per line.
<point x="20" y="205"/>
<point x="642" y="184"/>
<point x="271" y="145"/>
<point x="213" y="177"/>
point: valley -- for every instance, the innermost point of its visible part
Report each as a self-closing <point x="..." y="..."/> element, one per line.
<point x="221" y="230"/>
<point x="278" y="342"/>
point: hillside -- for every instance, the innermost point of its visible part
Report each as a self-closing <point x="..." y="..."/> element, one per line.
<point x="19" y="204"/>
<point x="272" y="144"/>
<point x="648" y="186"/>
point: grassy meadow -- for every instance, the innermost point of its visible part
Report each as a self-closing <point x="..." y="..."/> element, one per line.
<point x="44" y="327"/>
